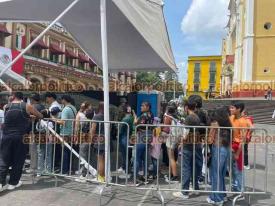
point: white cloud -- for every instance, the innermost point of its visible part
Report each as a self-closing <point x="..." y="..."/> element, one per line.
<point x="205" y="19"/>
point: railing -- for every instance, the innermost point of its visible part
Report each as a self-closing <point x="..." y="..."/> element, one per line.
<point x="62" y="158"/>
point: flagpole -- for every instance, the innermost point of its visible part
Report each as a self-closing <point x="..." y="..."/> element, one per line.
<point x="38" y="37"/>
<point x="104" y="45"/>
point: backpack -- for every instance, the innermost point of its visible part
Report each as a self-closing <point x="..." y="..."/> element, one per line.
<point x="176" y="131"/>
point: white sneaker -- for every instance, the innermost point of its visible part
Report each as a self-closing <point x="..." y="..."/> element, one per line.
<point x="247" y="167"/>
<point x="12" y="187"/>
<point x="180" y="195"/>
<point x="124" y="176"/>
<point x="213" y="202"/>
<point x="120" y="170"/>
<point x="81" y="179"/>
<point x="2" y="188"/>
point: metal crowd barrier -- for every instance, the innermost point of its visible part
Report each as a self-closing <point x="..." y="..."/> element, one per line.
<point x="259" y="136"/>
<point x="55" y="140"/>
<point x="53" y="146"/>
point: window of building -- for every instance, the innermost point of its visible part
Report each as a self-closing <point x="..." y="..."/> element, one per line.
<point x="197" y="72"/>
<point x="268" y="26"/>
<point x="81" y="65"/>
<point x="212" y="79"/>
<point x="2" y="39"/>
<point x="196" y="88"/>
<point x="36" y="53"/>
<point x="69" y="61"/>
<point x="212" y="75"/>
<point x="53" y="57"/>
<point x="212" y="66"/>
<point x="211" y="88"/>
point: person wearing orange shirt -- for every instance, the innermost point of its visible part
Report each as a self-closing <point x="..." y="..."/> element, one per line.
<point x="238" y="138"/>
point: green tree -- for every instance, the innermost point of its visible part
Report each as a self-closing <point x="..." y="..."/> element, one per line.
<point x="150" y="78"/>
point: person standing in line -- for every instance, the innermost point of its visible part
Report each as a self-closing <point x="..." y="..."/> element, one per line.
<point x="98" y="139"/>
<point x="238" y="121"/>
<point x="191" y="141"/>
<point x="124" y="138"/>
<point x="68" y="115"/>
<point x="171" y="118"/>
<point x="204" y="121"/>
<point x="144" y="136"/>
<point x="36" y="147"/>
<point x="12" y="148"/>
<point x="82" y="129"/>
<point x="220" y="140"/>
<point x="1" y="120"/>
<point x="54" y="112"/>
<point x="248" y="136"/>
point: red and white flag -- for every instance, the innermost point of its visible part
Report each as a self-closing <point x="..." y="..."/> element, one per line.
<point x="6" y="57"/>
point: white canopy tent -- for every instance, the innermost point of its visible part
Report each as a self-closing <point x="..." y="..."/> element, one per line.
<point x="134" y="29"/>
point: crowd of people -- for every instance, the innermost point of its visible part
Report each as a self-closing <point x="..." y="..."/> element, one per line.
<point x="207" y="141"/>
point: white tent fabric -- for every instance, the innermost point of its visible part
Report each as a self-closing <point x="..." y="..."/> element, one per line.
<point x="137" y="34"/>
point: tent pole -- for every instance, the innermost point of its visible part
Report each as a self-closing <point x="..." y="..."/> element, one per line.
<point x="38" y="37"/>
<point x="105" y="86"/>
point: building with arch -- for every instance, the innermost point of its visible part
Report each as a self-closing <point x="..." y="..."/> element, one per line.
<point x="55" y="62"/>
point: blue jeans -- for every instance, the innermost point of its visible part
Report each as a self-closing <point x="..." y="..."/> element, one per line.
<point x="140" y="157"/>
<point x="123" y="150"/>
<point x="218" y="168"/>
<point x="237" y="178"/>
<point x="199" y="159"/>
<point x="155" y="166"/>
<point x="45" y="157"/>
<point x="187" y="169"/>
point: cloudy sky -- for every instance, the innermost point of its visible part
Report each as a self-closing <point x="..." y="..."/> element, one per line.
<point x="196" y="27"/>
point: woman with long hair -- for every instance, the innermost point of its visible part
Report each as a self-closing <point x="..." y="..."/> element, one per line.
<point x="219" y="137"/>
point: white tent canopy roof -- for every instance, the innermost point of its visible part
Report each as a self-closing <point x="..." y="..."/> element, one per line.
<point x="137" y="34"/>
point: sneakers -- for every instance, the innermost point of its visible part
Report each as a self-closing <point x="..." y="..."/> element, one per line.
<point x="81" y="179"/>
<point x="2" y="188"/>
<point x="12" y="187"/>
<point x="180" y="195"/>
<point x="213" y="202"/>
<point x="201" y="180"/>
<point x="247" y="167"/>
<point x="152" y="177"/>
<point x="121" y="170"/>
<point x="174" y="179"/>
<point x="101" y="179"/>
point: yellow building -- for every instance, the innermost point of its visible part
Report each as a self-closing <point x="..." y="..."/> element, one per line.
<point x="251" y="39"/>
<point x="204" y="73"/>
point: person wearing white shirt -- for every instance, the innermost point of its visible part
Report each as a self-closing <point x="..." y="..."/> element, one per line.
<point x="51" y="101"/>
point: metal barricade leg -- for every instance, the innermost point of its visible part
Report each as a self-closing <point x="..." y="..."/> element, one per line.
<point x="236" y="199"/>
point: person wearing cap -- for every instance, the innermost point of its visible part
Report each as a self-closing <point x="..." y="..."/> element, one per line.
<point x="51" y="101"/>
